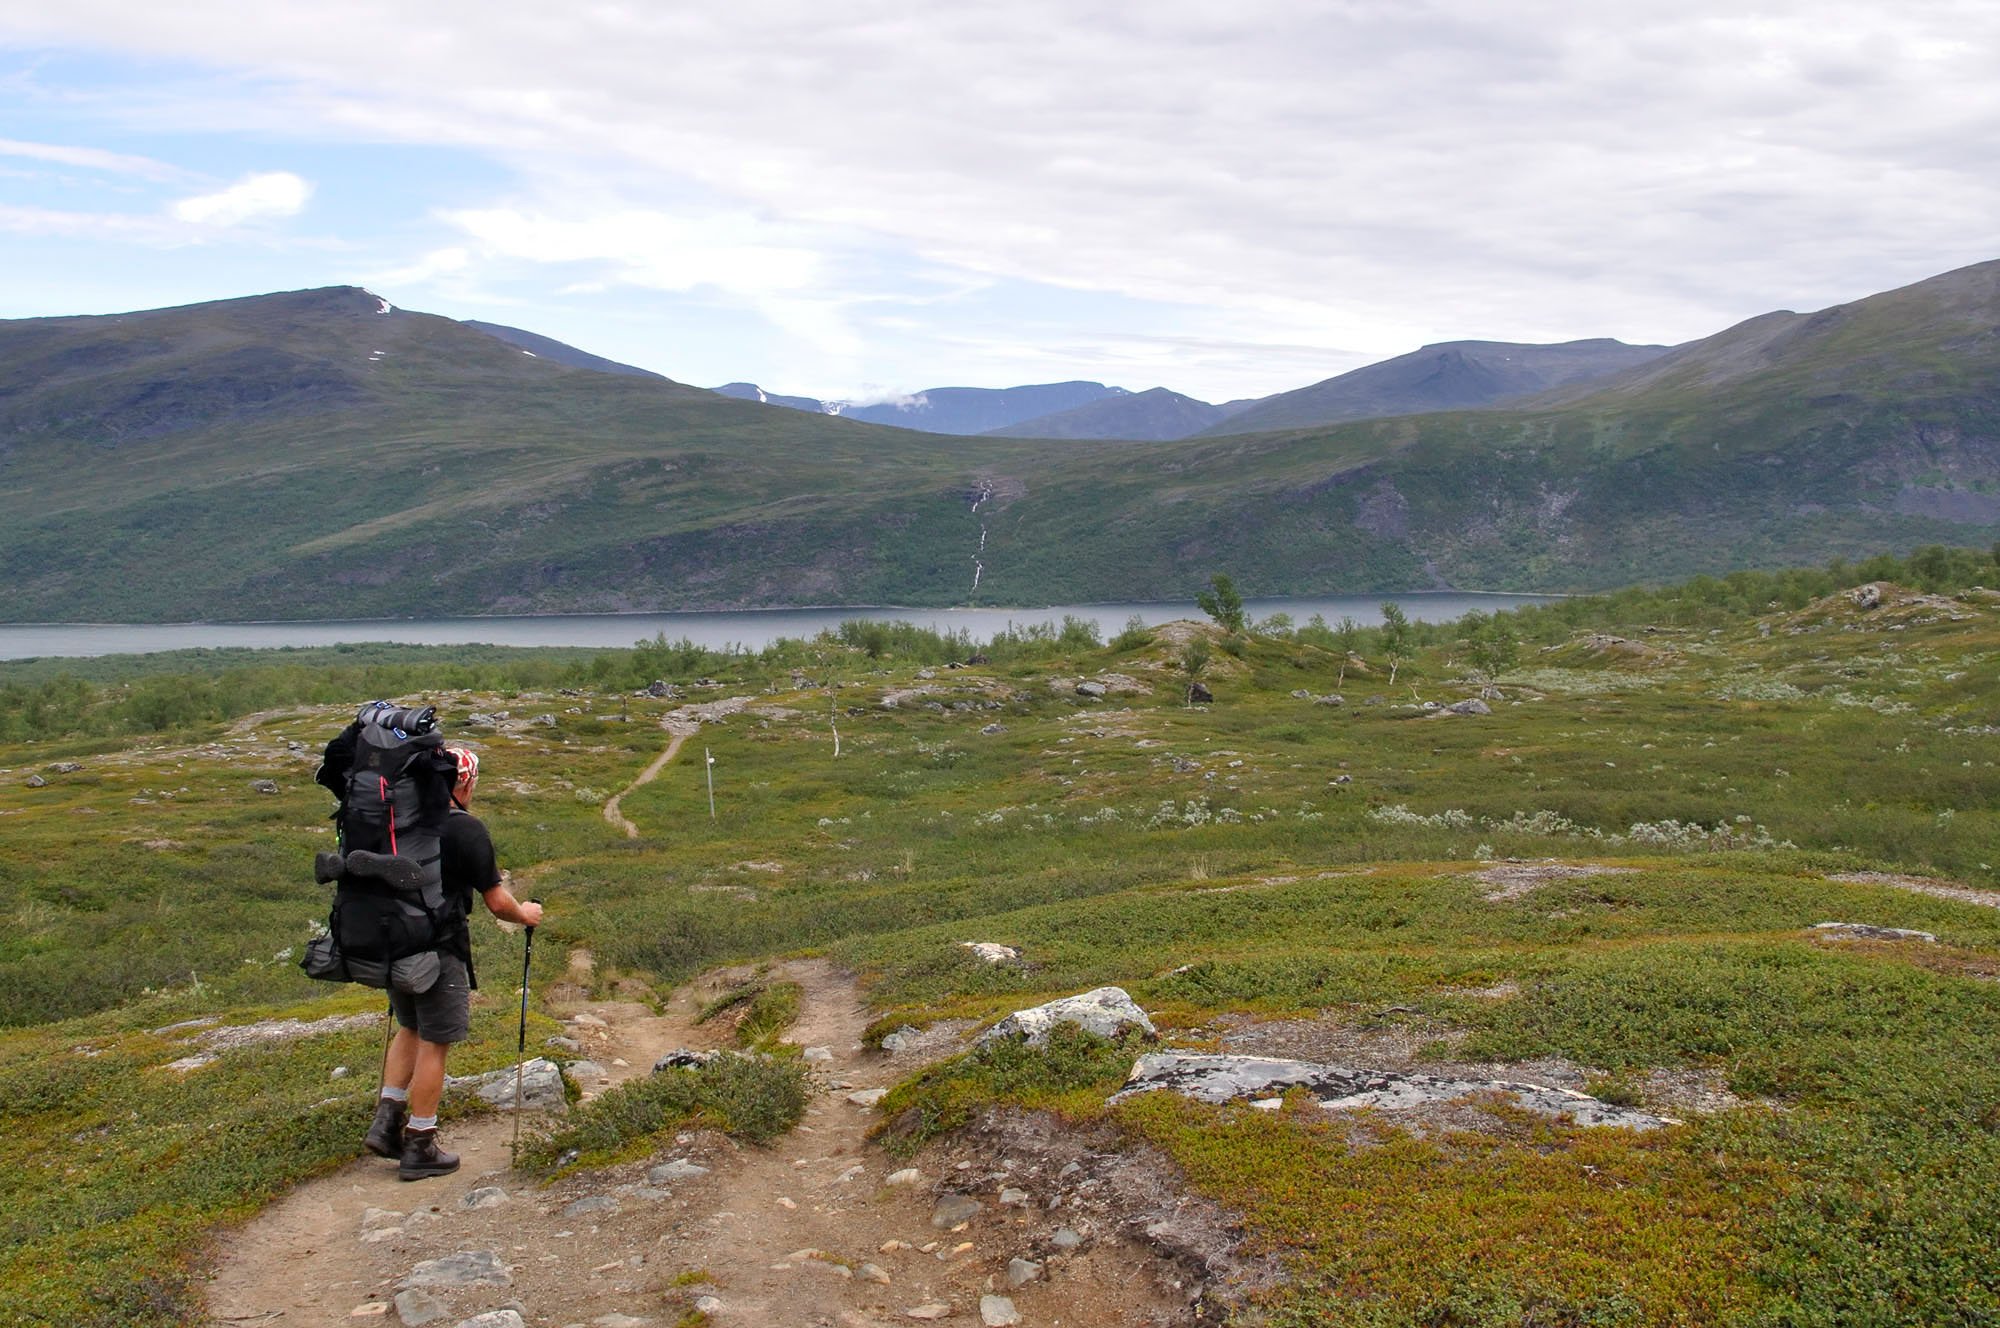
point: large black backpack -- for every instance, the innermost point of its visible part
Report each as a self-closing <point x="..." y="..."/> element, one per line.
<point x="393" y="778"/>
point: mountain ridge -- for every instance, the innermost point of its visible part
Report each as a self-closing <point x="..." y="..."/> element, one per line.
<point x="319" y="455"/>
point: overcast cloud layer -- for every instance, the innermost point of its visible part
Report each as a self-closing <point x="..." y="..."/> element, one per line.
<point x="832" y="199"/>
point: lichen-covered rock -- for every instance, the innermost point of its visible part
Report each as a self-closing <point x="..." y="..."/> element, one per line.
<point x="992" y="951"/>
<point x="1103" y="1011"/>
<point x="1220" y="1079"/>
<point x="1862" y="931"/>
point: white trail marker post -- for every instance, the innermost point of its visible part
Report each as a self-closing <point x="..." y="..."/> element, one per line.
<point x="710" y="760"/>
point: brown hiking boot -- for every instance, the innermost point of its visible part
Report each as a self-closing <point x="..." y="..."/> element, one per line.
<point x="385" y="1133"/>
<point x="422" y="1157"/>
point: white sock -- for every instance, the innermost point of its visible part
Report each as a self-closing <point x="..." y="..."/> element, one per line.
<point x="422" y="1123"/>
<point x="396" y="1094"/>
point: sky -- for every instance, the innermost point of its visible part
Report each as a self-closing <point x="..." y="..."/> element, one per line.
<point x="863" y="200"/>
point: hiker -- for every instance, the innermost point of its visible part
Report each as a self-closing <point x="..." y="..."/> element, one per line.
<point x="405" y="1125"/>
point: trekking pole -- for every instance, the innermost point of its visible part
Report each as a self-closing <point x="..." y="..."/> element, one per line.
<point x="521" y="1048"/>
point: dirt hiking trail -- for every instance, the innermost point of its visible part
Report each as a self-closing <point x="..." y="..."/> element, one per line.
<point x="807" y="1232"/>
<point x="646" y="776"/>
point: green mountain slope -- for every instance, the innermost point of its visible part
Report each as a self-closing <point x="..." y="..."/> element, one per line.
<point x="305" y="455"/>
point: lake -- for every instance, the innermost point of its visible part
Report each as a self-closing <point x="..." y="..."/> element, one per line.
<point x="751" y="628"/>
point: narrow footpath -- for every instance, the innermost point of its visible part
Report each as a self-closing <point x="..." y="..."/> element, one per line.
<point x="809" y="1231"/>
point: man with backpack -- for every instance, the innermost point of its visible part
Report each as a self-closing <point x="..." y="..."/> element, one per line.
<point x="405" y="1124"/>
<point x="411" y="858"/>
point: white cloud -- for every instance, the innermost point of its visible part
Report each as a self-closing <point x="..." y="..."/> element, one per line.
<point x="252" y="198"/>
<point x="94" y="159"/>
<point x="1358" y="175"/>
<point x="431" y="267"/>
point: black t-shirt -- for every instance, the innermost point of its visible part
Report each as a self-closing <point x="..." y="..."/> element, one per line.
<point x="469" y="868"/>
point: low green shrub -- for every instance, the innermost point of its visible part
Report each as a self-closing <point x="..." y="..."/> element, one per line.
<point x="1074" y="1072"/>
<point x="753" y="1097"/>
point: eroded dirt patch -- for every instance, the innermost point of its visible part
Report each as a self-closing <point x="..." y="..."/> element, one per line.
<point x="1512" y="880"/>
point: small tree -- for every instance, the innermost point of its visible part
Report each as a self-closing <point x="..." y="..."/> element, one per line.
<point x="1495" y="648"/>
<point x="1194" y="659"/>
<point x="1221" y="602"/>
<point x="1346" y="638"/>
<point x="1396" y="647"/>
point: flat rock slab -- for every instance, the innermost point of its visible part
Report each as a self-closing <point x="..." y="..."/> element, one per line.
<point x="494" y="1319"/>
<point x="1103" y="1011"/>
<point x="1862" y="931"/>
<point x="1220" y="1079"/>
<point x="467" y="1268"/>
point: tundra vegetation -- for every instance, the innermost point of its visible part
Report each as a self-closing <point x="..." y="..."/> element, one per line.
<point x="1763" y="752"/>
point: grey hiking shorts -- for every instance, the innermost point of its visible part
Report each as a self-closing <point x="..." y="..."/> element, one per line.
<point x="442" y="1014"/>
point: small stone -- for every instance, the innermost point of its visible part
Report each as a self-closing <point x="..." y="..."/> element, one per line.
<point x="340" y="1072"/>
<point x="678" y="1169"/>
<point x="1020" y="1272"/>
<point x="582" y="1070"/>
<point x="962" y="1247"/>
<point x="486" y="1196"/>
<point x="415" y="1308"/>
<point x="380" y="1217"/>
<point x="953" y="1209"/>
<point x="587" y="1021"/>
<point x="1065" y="1239"/>
<point x="591" y="1203"/>
<point x="1013" y="1198"/>
<point x="466" y="1268"/>
<point x="36" y="781"/>
<point x="868" y="1097"/>
<point x="934" y="1310"/>
<point x="998" y="1312"/>
<point x="623" y="1065"/>
<point x="872" y="1272"/>
<point x="816" y="1055"/>
<point x="565" y="1043"/>
<point x="374" y="1309"/>
<point x="809" y="1252"/>
<point x="380" y="1234"/>
<point x="907" y="1176"/>
<point x="646" y="1194"/>
<point x="891" y="1246"/>
<point x="495" y="1319"/>
<point x="708" y="1304"/>
<point x="785" y="1202"/>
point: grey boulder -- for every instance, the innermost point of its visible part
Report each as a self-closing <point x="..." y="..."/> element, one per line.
<point x="1103" y="1011"/>
<point x="541" y="1086"/>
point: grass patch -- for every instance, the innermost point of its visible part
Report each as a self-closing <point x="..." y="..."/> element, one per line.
<point x="753" y="1097"/>
<point x="1071" y="1075"/>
